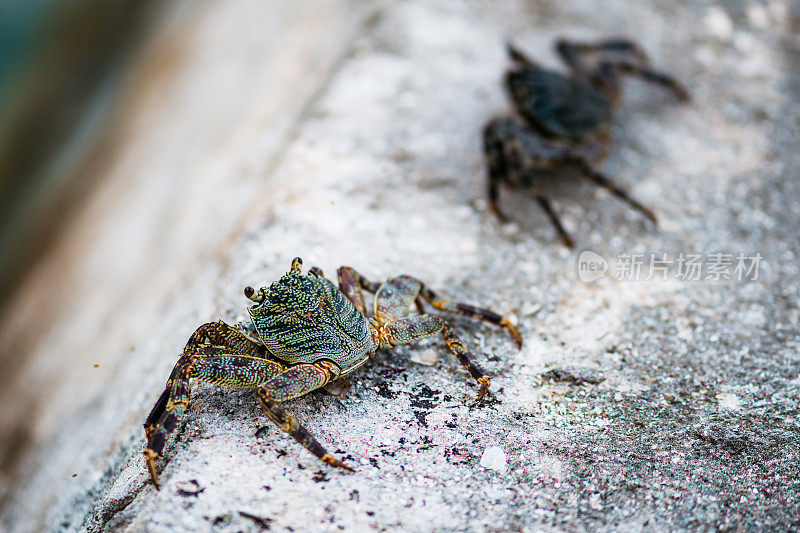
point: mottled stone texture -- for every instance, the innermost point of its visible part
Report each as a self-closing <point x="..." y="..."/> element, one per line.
<point x="349" y="134"/>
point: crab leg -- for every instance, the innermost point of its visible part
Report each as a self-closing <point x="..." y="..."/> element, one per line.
<point x="508" y="163"/>
<point x="606" y="183"/>
<point x="616" y="56"/>
<point x="571" y="51"/>
<point x="351" y="283"/>
<point x="653" y="76"/>
<point x="493" y="148"/>
<point x="349" y="286"/>
<point x="479" y="313"/>
<point x="411" y="329"/>
<point x="221" y="334"/>
<point x="391" y="309"/>
<point x="607" y="76"/>
<point x="544" y="203"/>
<point x="215" y="366"/>
<point x="297" y="381"/>
<point x="396" y="295"/>
<point x="518" y="56"/>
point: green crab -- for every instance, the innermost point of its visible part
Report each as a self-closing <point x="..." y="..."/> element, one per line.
<point x="306" y="333"/>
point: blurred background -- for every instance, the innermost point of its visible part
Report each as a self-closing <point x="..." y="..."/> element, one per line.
<point x="61" y="72"/>
<point x="61" y="63"/>
<point x="120" y="123"/>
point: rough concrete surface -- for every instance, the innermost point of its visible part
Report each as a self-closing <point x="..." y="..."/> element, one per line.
<point x="653" y="404"/>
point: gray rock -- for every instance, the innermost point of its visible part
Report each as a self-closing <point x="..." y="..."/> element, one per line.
<point x="575" y="374"/>
<point x="372" y="158"/>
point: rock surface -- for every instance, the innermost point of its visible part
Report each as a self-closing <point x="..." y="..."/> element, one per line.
<point x="696" y="422"/>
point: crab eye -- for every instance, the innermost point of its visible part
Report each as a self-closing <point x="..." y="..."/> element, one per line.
<point x="250" y="293"/>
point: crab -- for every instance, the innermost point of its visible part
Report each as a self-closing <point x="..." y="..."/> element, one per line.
<point x="304" y="334"/>
<point x="564" y="120"/>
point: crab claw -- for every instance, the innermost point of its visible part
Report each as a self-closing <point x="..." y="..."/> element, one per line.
<point x="150" y="458"/>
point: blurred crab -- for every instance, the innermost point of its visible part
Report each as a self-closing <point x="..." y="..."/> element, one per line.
<point x="565" y="119"/>
<point x="304" y="334"/>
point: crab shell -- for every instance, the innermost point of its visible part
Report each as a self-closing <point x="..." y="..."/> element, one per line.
<point x="557" y="105"/>
<point x="306" y="319"/>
